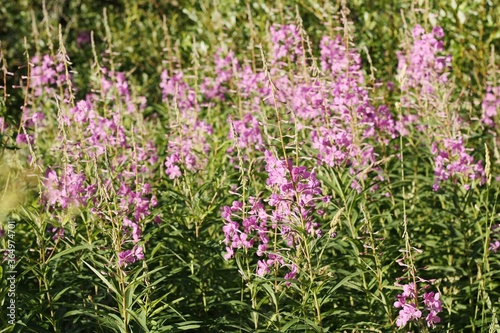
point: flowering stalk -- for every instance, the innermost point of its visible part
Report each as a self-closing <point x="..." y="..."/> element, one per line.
<point x="408" y="301"/>
<point x="424" y="73"/>
<point x="284" y="232"/>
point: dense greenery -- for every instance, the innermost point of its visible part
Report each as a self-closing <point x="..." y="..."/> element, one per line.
<point x="266" y="166"/>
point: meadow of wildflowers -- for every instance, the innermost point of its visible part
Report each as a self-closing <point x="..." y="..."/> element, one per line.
<point x="228" y="166"/>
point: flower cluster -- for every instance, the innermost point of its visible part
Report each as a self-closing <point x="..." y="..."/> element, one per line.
<point x="334" y="110"/>
<point x="130" y="256"/>
<point x="101" y="132"/>
<point x="246" y="132"/>
<point x="295" y="194"/>
<point x="252" y="85"/>
<point x="287" y="42"/>
<point x="215" y="88"/>
<point x="424" y="66"/>
<point x="47" y="74"/>
<point x="348" y="124"/>
<point x="188" y="146"/>
<point x="408" y="302"/>
<point x="491" y="105"/>
<point x="309" y="100"/>
<point x="47" y="81"/>
<point x="114" y="85"/>
<point x="292" y="213"/>
<point x="133" y="206"/>
<point x="134" y="197"/>
<point x="424" y="71"/>
<point x="67" y="189"/>
<point x="188" y="149"/>
<point x="175" y="90"/>
<point x="495" y="243"/>
<point x="451" y="161"/>
<point x="137" y="204"/>
<point x="115" y="187"/>
<point x="340" y="62"/>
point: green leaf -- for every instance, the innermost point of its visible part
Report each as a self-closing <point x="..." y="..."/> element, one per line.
<point x="103" y="279"/>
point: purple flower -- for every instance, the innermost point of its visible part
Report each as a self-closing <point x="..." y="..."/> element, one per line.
<point x="58" y="233"/>
<point x="3" y="125"/>
<point x="187" y="144"/>
<point x="130" y="256"/>
<point x="423" y="66"/>
<point x="452" y="161"/>
<point x="287" y="42"/>
<point x="432" y="302"/>
<point x="494" y="246"/>
<point x="409" y="290"/>
<point x="229" y="253"/>
<point x="24" y="138"/>
<point x="246" y="132"/>
<point x="263" y="268"/>
<point x="291" y="205"/>
<point x="83" y="38"/>
<point x="67" y="189"/>
<point x="408" y="313"/>
<point x="291" y="274"/>
<point x="47" y="74"/>
<point x="135" y="229"/>
<point x="432" y="319"/>
<point x="338" y="60"/>
<point x="407" y="300"/>
<point x="491" y="105"/>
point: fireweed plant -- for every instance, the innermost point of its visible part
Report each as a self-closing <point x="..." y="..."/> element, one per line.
<point x="281" y="229"/>
<point x="96" y="180"/>
<point x="424" y="72"/>
<point x="286" y="184"/>
<point x="426" y="107"/>
<point x="335" y="116"/>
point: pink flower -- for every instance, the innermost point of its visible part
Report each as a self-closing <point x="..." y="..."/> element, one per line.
<point x="292" y="274"/>
<point x="432" y="319"/>
<point x="491" y="105"/>
<point x="135" y="229"/>
<point x="130" y="256"/>
<point x="408" y="313"/>
<point x="263" y="268"/>
<point x="432" y="302"/>
<point x="494" y="246"/>
<point x="424" y="66"/>
<point x="409" y="290"/>
<point x="286" y="42"/>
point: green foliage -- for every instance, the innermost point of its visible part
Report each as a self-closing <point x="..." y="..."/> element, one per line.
<point x="77" y="284"/>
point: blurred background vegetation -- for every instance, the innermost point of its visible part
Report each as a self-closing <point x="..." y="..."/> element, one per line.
<point x="142" y="32"/>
